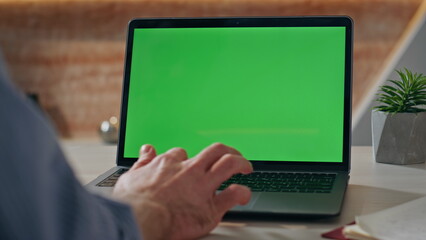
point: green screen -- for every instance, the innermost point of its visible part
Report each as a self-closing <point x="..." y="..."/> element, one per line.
<point x="274" y="93"/>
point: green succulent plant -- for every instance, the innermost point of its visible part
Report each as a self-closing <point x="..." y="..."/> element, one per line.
<point x="407" y="95"/>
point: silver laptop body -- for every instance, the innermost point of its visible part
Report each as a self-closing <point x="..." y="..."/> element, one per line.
<point x="314" y="33"/>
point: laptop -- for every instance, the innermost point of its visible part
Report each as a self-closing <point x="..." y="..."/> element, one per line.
<point x="277" y="89"/>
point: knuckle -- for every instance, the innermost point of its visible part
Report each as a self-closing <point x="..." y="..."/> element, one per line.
<point x="178" y="150"/>
<point x="172" y="155"/>
<point x="230" y="160"/>
<point x="138" y="164"/>
<point x="193" y="166"/>
<point x="163" y="158"/>
<point x="219" y="147"/>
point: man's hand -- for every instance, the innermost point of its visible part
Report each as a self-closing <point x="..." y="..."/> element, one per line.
<point x="174" y="197"/>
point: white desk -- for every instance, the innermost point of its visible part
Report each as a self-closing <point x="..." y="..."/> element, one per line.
<point x="372" y="187"/>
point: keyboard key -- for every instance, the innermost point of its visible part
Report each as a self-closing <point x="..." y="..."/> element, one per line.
<point x="112" y="179"/>
<point x="284" y="182"/>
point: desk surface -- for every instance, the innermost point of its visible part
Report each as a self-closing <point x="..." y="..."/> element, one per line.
<point x="372" y="187"/>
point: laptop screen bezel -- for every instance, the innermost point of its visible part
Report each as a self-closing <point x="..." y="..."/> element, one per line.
<point x="308" y="21"/>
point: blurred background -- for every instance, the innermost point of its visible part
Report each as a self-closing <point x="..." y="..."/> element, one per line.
<point x="69" y="55"/>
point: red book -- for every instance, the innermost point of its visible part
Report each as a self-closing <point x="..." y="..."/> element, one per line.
<point x="336" y="233"/>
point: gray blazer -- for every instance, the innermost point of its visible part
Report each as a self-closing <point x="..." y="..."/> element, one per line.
<point x="40" y="196"/>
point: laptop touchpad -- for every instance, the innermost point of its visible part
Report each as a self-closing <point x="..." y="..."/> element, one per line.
<point x="250" y="205"/>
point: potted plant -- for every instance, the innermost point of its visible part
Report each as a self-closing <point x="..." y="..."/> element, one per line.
<point x="399" y="121"/>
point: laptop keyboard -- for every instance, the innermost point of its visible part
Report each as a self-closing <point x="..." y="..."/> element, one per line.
<point x="112" y="179"/>
<point x="284" y="182"/>
<point x="264" y="181"/>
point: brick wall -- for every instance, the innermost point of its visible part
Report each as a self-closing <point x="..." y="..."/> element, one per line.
<point x="71" y="53"/>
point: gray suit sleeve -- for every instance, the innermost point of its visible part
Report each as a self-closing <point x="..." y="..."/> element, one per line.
<point x="40" y="196"/>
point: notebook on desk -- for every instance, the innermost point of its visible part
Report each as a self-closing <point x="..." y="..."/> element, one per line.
<point x="277" y="89"/>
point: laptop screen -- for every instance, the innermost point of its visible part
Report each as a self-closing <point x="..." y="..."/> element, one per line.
<point x="273" y="93"/>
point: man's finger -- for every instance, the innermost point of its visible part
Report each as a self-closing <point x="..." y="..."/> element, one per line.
<point x="212" y="153"/>
<point x="231" y="196"/>
<point x="227" y="166"/>
<point x="174" y="154"/>
<point x="178" y="153"/>
<point x="146" y="154"/>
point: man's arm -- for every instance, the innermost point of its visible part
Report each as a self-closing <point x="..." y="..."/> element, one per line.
<point x="171" y="196"/>
<point x="40" y="196"/>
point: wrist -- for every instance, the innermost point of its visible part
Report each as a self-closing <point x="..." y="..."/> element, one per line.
<point x="153" y="219"/>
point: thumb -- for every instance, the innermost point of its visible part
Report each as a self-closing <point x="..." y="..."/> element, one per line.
<point x="146" y="154"/>
<point x="231" y="196"/>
